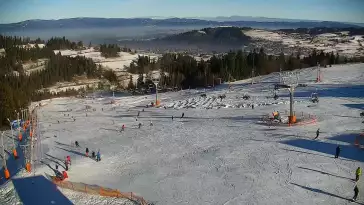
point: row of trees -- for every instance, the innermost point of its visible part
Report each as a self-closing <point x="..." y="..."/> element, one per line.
<point x="9" y="41"/>
<point x="184" y="71"/>
<point x="57" y="43"/>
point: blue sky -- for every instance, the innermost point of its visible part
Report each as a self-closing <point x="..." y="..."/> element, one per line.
<point x="332" y="10"/>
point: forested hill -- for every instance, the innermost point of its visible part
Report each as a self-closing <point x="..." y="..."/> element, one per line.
<point x="218" y="35"/>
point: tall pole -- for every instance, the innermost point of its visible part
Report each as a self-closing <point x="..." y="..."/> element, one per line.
<point x="12" y="133"/>
<point x="253" y="69"/>
<point x="318" y="72"/>
<point x="2" y="145"/>
<point x="291" y="91"/>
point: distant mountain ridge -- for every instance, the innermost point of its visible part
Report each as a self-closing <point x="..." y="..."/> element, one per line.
<point x="128" y="22"/>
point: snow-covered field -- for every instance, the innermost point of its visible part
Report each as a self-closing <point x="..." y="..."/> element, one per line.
<point x="117" y="64"/>
<point x="328" y="42"/>
<point x="218" y="153"/>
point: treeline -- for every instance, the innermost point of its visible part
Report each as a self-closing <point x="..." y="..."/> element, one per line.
<point x="184" y="71"/>
<point x="56" y="43"/>
<point x="9" y="41"/>
<point x="112" y="50"/>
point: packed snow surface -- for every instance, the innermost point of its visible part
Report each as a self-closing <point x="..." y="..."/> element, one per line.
<point x="219" y="152"/>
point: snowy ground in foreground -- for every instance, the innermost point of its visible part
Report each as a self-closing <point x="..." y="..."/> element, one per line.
<point x="215" y="156"/>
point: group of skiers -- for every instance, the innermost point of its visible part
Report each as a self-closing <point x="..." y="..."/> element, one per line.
<point x="97" y="156"/>
<point x="338" y="148"/>
<point x="358" y="171"/>
<point x="63" y="175"/>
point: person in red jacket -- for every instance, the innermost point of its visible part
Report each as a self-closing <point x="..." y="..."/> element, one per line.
<point x="65" y="175"/>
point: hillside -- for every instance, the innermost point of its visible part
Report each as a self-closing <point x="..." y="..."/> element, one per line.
<point x="219" y="35"/>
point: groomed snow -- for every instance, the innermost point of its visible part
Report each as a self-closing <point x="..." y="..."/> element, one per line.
<point x="221" y="155"/>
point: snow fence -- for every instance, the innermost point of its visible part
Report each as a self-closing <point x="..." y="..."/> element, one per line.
<point x="98" y="190"/>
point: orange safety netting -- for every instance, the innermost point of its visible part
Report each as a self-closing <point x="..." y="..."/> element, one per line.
<point x="98" y="190"/>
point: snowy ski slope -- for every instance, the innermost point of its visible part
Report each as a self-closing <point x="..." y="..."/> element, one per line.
<point x="218" y="153"/>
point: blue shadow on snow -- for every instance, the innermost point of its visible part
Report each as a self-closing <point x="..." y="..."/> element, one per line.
<point x="347" y="151"/>
<point x="39" y="190"/>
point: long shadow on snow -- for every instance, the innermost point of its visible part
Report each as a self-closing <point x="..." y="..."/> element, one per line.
<point x="62" y="160"/>
<point x="319" y="191"/>
<point x="15" y="165"/>
<point x="62" y="144"/>
<point x="72" y="151"/>
<point x="291" y="150"/>
<point x="348" y="138"/>
<point x="39" y="190"/>
<point x="355" y="106"/>
<point x="322" y="172"/>
<point x="347" y="151"/>
<point x="342" y="91"/>
<point x="56" y="162"/>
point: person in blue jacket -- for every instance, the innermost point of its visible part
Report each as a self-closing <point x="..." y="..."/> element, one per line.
<point x="98" y="156"/>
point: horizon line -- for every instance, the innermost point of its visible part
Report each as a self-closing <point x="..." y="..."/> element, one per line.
<point x="199" y="18"/>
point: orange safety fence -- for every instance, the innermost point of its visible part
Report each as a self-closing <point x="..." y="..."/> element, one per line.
<point x="98" y="190"/>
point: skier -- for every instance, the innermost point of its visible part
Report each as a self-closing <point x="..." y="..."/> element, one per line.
<point x="69" y="160"/>
<point x="140" y="124"/>
<point x="357" y="174"/>
<point x="65" y="175"/>
<point x="122" y="128"/>
<point x="93" y="154"/>
<point x="143" y="110"/>
<point x="338" y="149"/>
<point x="183" y="114"/>
<point x="172" y="118"/>
<point x="253" y="106"/>
<point x="98" y="156"/>
<point x="356" y="192"/>
<point x="87" y="152"/>
<point x="59" y="175"/>
<point x="76" y="143"/>
<point x="151" y="123"/>
<point x="56" y="166"/>
<point x="317" y="133"/>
